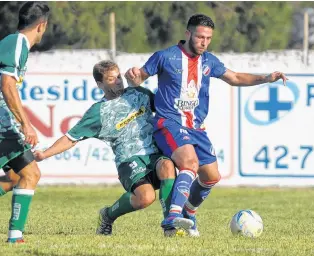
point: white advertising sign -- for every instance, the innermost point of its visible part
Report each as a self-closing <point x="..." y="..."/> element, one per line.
<point x="54" y="103"/>
<point x="275" y="129"/>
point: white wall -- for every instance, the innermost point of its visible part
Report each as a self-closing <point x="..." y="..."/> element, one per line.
<point x="251" y="150"/>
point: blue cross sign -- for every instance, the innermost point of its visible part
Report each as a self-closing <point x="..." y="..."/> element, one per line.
<point x="273" y="105"/>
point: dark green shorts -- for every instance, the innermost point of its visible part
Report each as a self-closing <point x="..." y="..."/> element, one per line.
<point x="20" y="162"/>
<point x="10" y="149"/>
<point x="139" y="170"/>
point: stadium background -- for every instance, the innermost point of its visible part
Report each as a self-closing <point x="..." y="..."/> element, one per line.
<point x="262" y="135"/>
<point x="251" y="128"/>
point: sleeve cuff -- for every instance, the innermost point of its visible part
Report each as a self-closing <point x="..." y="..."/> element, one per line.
<point x="10" y="74"/>
<point x="72" y="138"/>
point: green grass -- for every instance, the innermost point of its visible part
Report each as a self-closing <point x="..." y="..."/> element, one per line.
<point x="63" y="220"/>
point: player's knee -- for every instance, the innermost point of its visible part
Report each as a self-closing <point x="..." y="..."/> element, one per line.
<point x="36" y="175"/>
<point x="213" y="180"/>
<point x="185" y="158"/>
<point x="188" y="162"/>
<point x="31" y="176"/>
<point x="165" y="169"/>
<point x="145" y="200"/>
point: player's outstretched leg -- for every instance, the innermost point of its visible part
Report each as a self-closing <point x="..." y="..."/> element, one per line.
<point x="142" y="196"/>
<point x="108" y="215"/>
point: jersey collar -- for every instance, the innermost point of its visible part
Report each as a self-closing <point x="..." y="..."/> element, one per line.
<point x="26" y="39"/>
<point x="180" y="45"/>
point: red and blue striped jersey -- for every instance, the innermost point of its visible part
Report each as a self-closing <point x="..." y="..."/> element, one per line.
<point x="183" y="84"/>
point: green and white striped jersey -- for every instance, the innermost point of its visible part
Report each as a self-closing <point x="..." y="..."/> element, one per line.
<point x="124" y="122"/>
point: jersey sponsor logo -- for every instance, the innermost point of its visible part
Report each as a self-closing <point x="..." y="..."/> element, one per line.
<point x="206" y="70"/>
<point x="186" y="105"/>
<point x="189" y="97"/>
<point x="137" y="171"/>
<point x="130" y="118"/>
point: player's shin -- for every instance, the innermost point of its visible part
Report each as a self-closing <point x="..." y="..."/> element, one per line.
<point x="21" y="200"/>
<point x="165" y="195"/>
<point x="122" y="206"/>
<point x="198" y="193"/>
<point x="181" y="190"/>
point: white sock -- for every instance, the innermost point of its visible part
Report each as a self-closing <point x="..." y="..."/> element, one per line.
<point x="15" y="234"/>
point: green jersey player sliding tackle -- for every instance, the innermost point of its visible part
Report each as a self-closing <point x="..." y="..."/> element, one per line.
<point x="17" y="135"/>
<point x="123" y="118"/>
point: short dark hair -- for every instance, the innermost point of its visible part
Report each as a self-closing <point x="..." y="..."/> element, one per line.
<point x="200" y="20"/>
<point x="101" y="67"/>
<point x="32" y="13"/>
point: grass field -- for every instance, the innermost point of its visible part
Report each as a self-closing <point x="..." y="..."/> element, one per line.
<point x="63" y="222"/>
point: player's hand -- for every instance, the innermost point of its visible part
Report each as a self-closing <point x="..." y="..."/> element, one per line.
<point x="132" y="74"/>
<point x="39" y="155"/>
<point x="275" y="76"/>
<point x="30" y="134"/>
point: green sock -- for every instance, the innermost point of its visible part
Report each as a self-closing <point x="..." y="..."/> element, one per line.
<point x="2" y="192"/>
<point x="165" y="193"/>
<point x="121" y="207"/>
<point x="21" y="200"/>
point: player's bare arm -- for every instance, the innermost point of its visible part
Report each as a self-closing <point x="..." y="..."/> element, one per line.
<point x="245" y="79"/>
<point x="13" y="101"/>
<point x="61" y="145"/>
<point x="136" y="76"/>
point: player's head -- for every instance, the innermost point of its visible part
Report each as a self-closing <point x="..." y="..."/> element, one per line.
<point x="34" y="16"/>
<point x="108" y="78"/>
<point x="199" y="33"/>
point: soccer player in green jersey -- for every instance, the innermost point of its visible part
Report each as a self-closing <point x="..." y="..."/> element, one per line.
<point x="17" y="135"/>
<point x="122" y="118"/>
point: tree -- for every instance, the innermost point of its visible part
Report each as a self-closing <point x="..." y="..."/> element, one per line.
<point x="149" y="26"/>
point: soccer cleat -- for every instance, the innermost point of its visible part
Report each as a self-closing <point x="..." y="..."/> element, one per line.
<point x="193" y="231"/>
<point x="19" y="240"/>
<point x="104" y="223"/>
<point x="176" y="220"/>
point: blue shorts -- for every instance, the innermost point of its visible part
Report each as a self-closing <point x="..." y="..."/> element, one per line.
<point x="170" y="135"/>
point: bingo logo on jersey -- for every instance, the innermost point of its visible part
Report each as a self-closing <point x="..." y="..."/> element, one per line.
<point x="189" y="97"/>
<point x="271" y="102"/>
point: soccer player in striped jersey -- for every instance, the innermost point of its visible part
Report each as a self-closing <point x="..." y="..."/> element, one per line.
<point x="184" y="71"/>
<point x="122" y="118"/>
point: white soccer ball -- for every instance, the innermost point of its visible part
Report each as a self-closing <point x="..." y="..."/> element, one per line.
<point x="247" y="223"/>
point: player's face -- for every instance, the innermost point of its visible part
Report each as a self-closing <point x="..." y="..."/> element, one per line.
<point x="112" y="84"/>
<point x="41" y="29"/>
<point x="113" y="79"/>
<point x="199" y="38"/>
